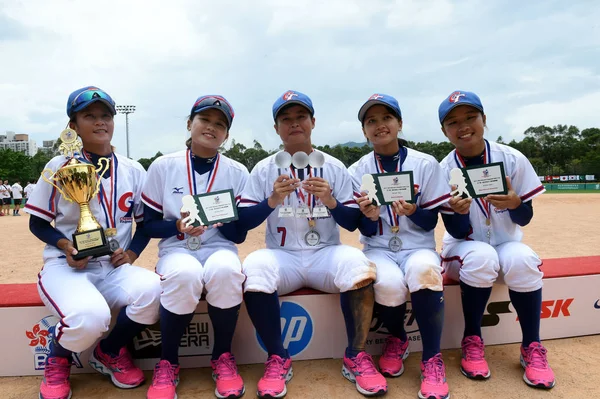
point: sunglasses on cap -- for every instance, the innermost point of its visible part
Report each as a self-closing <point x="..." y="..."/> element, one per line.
<point x="214" y="102"/>
<point x="89" y="96"/>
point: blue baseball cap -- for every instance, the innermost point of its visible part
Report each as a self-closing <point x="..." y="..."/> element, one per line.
<point x="292" y="97"/>
<point x="214" y="102"/>
<point x="381" y="99"/>
<point x="457" y="98"/>
<point x="84" y="97"/>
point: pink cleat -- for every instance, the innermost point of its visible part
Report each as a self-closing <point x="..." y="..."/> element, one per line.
<point x="391" y="362"/>
<point x="121" y="370"/>
<point x="433" y="379"/>
<point x="164" y="381"/>
<point x="538" y="373"/>
<point x="226" y="376"/>
<point x="278" y="372"/>
<point x="362" y="371"/>
<point x="473" y="364"/>
<point x="55" y="384"/>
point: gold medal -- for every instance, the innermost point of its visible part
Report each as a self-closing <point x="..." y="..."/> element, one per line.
<point x="395" y="229"/>
<point x="110" y="232"/>
<point x="488" y="222"/>
<point x="312" y="223"/>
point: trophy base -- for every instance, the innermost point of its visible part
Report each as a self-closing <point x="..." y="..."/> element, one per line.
<point x="91" y="243"/>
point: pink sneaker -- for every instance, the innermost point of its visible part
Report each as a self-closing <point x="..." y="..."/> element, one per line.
<point x="391" y="362"/>
<point x="538" y="373"/>
<point x="164" y="381"/>
<point x="362" y="371"/>
<point x="433" y="379"/>
<point x="278" y="372"/>
<point x="55" y="384"/>
<point x="123" y="373"/>
<point x="473" y="364"/>
<point x="226" y="376"/>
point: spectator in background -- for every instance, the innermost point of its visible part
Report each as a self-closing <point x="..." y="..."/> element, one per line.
<point x="17" y="194"/>
<point x="28" y="189"/>
<point x="5" y="198"/>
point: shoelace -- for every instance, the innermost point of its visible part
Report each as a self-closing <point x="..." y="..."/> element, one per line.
<point x="434" y="370"/>
<point x="164" y="374"/>
<point x="226" y="367"/>
<point x="537" y="357"/>
<point x="123" y="361"/>
<point x="274" y="367"/>
<point x="56" y="373"/>
<point x="474" y="349"/>
<point x="365" y="364"/>
<point x="393" y="348"/>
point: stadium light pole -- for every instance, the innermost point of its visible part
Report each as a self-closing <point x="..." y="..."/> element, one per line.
<point x="126" y="109"/>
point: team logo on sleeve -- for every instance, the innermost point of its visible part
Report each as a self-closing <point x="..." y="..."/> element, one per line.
<point x="455" y="97"/>
<point x="40" y="337"/>
<point x="126" y="205"/>
<point x="296" y="328"/>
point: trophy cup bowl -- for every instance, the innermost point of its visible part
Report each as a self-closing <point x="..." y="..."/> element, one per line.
<point x="78" y="182"/>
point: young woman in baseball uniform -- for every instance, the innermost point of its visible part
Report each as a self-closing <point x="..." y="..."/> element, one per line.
<point x="196" y="259"/>
<point x="82" y="292"/>
<point x="399" y="240"/>
<point x="485" y="241"/>
<point x="302" y="206"/>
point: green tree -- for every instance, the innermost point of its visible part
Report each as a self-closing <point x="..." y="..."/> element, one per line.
<point x="146" y="162"/>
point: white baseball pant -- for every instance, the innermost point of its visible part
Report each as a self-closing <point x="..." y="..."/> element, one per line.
<point x="185" y="274"/>
<point x="83" y="299"/>
<point x="333" y="269"/>
<point x="480" y="265"/>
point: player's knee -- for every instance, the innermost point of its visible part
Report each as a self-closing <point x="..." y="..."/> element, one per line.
<point x="522" y="273"/>
<point x="222" y="267"/>
<point x="480" y="267"/>
<point x="146" y="302"/>
<point x="391" y="291"/>
<point x="424" y="275"/>
<point x="354" y="270"/>
<point x="86" y="325"/>
<point x="185" y="274"/>
<point x="261" y="271"/>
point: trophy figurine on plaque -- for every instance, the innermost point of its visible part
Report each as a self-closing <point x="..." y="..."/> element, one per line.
<point x="457" y="179"/>
<point x="79" y="182"/>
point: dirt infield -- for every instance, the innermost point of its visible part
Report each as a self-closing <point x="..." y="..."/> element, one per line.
<point x="564" y="225"/>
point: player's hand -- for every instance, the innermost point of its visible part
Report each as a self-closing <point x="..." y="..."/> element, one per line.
<point x="320" y="188"/>
<point x="69" y="249"/>
<point x="120" y="257"/>
<point x="189" y="230"/>
<point x="282" y="187"/>
<point x="460" y="205"/>
<point x="509" y="201"/>
<point x="367" y="208"/>
<point x="403" y="208"/>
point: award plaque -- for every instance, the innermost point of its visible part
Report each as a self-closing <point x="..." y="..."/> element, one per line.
<point x="79" y="182"/>
<point x="389" y="187"/>
<point x="479" y="181"/>
<point x="210" y="208"/>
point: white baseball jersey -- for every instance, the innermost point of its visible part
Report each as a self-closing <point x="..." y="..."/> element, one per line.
<point x="172" y="176"/>
<point x="17" y="191"/>
<point x="524" y="181"/>
<point x="5" y="191"/>
<point x="428" y="178"/>
<point x="288" y="233"/>
<point x="28" y="190"/>
<point x="117" y="205"/>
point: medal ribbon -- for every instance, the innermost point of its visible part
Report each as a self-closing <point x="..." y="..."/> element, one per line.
<point x="393" y="217"/>
<point x="191" y="173"/>
<point x="109" y="207"/>
<point x="483" y="205"/>
<point x="300" y="194"/>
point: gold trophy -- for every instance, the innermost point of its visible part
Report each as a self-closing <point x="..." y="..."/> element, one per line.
<point x="80" y="183"/>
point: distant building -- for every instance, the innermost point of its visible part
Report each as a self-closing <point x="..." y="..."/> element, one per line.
<point x="48" y="147"/>
<point x="18" y="142"/>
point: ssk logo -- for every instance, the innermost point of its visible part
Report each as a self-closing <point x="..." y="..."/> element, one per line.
<point x="550" y="309"/>
<point x="296" y="328"/>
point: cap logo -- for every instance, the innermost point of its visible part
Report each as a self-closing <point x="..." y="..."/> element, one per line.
<point x="95" y="95"/>
<point x="455" y="97"/>
<point x="289" y="95"/>
<point x="217" y="102"/>
<point x="375" y="97"/>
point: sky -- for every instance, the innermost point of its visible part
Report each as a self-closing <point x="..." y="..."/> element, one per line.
<point x="531" y="62"/>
